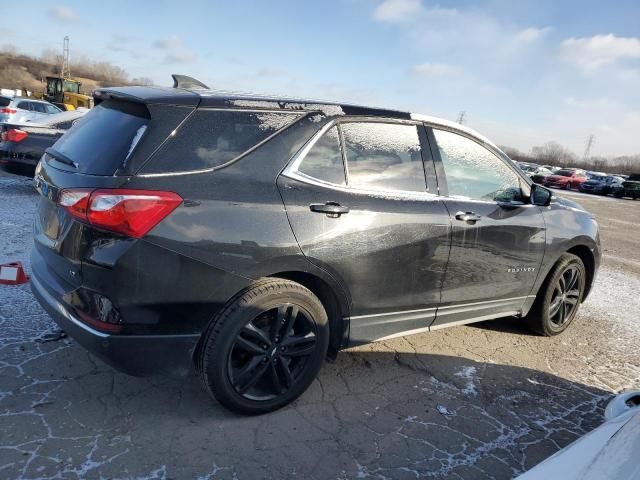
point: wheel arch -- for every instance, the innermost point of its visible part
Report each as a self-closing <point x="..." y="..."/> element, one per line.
<point x="585" y="254"/>
<point x="333" y="300"/>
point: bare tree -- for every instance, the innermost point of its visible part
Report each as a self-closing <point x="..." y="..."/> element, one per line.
<point x="15" y="77"/>
<point x="144" y="81"/>
<point x="555" y="154"/>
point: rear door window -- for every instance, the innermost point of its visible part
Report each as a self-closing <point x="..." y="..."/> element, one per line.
<point x="105" y="139"/>
<point x="384" y="156"/>
<point x="210" y="138"/>
<point x="324" y="159"/>
<point x="38" y="107"/>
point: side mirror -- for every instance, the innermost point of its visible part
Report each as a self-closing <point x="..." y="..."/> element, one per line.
<point x="540" y="196"/>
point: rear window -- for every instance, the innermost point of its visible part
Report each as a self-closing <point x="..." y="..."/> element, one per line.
<point x="211" y="138"/>
<point x="105" y="138"/>
<point x="4" y="101"/>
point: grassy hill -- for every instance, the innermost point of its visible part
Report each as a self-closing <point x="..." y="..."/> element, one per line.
<point x="24" y="71"/>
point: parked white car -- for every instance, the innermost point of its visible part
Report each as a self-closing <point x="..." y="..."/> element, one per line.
<point x="25" y="109"/>
<point x="611" y="451"/>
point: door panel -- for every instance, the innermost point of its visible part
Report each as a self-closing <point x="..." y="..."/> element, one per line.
<point x="497" y="236"/>
<point x="494" y="260"/>
<point x="389" y="252"/>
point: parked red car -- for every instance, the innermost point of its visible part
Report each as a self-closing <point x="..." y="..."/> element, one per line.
<point x="566" y="178"/>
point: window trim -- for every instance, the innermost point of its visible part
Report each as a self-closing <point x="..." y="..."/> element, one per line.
<point x="299" y="115"/>
<point x="291" y="170"/>
<point x="525" y="181"/>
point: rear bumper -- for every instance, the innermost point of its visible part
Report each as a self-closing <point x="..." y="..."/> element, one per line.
<point x="139" y="355"/>
<point x="17" y="163"/>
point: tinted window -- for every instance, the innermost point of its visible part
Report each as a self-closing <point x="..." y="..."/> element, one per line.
<point x="473" y="171"/>
<point x="324" y="160"/>
<point x="24" y="105"/>
<point x="210" y="138"/>
<point x="564" y="173"/>
<point x="384" y="156"/>
<point x="51" y="109"/>
<point x="38" y="107"/>
<point x="105" y="138"/>
<point x="4" y="101"/>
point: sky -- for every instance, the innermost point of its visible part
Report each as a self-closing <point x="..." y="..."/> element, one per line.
<point x="524" y="72"/>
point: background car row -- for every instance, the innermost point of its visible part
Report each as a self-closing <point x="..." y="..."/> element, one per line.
<point x="598" y="183"/>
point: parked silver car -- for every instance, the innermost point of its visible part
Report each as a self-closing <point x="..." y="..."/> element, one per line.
<point x="25" y="109"/>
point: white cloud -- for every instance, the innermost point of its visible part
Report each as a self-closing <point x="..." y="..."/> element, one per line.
<point x="169" y="43"/>
<point x="512" y="82"/>
<point x="428" y="69"/>
<point x="272" y="72"/>
<point x="532" y="34"/>
<point x="62" y="14"/>
<point x="177" y="51"/>
<point x="397" y="10"/>
<point x="181" y="56"/>
<point x="600" y="50"/>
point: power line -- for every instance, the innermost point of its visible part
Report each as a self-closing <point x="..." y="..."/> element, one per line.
<point x="590" y="141"/>
<point x="65" y="73"/>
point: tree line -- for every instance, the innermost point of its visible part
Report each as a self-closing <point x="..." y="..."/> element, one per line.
<point x="553" y="153"/>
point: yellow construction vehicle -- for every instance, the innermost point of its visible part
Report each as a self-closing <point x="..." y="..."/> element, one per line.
<point x="65" y="93"/>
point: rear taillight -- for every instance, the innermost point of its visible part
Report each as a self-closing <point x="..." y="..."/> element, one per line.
<point x="8" y="110"/>
<point x="13" y="135"/>
<point x="129" y="212"/>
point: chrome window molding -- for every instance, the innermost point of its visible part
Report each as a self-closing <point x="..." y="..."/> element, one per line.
<point x="291" y="170"/>
<point x="298" y="115"/>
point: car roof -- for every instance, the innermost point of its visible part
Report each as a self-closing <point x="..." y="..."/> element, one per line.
<point x="242" y="100"/>
<point x="29" y="99"/>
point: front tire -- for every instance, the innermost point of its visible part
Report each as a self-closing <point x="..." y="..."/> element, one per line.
<point x="559" y="298"/>
<point x="567" y="186"/>
<point x="265" y="347"/>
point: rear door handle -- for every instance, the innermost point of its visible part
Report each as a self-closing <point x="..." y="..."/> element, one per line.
<point x="469" y="217"/>
<point x="331" y="209"/>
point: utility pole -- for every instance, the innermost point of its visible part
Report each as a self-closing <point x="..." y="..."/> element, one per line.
<point x="65" y="73"/>
<point x="590" y="141"/>
<point x="461" y="117"/>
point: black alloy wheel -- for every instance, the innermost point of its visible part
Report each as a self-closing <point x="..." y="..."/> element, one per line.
<point x="271" y="351"/>
<point x="566" y="295"/>
<point x="559" y="297"/>
<point x="265" y="346"/>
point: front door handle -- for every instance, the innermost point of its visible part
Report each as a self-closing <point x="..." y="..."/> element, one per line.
<point x="331" y="209"/>
<point x="469" y="217"/>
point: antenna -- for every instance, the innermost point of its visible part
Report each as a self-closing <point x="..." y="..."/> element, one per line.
<point x="65" y="72"/>
<point x="590" y="141"/>
<point x="461" y="117"/>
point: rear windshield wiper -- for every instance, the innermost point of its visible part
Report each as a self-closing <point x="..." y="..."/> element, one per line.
<point x="59" y="157"/>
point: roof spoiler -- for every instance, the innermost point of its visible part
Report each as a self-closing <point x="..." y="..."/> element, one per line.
<point x="187" y="83"/>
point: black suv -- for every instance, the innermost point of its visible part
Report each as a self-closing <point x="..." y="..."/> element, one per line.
<point x="254" y="237"/>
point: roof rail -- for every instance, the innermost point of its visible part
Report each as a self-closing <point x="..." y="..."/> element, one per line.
<point x="187" y="83"/>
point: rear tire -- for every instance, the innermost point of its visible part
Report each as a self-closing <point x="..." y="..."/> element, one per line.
<point x="265" y="347"/>
<point x="559" y="298"/>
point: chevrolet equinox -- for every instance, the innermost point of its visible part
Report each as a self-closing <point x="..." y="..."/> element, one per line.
<point x="252" y="237"/>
